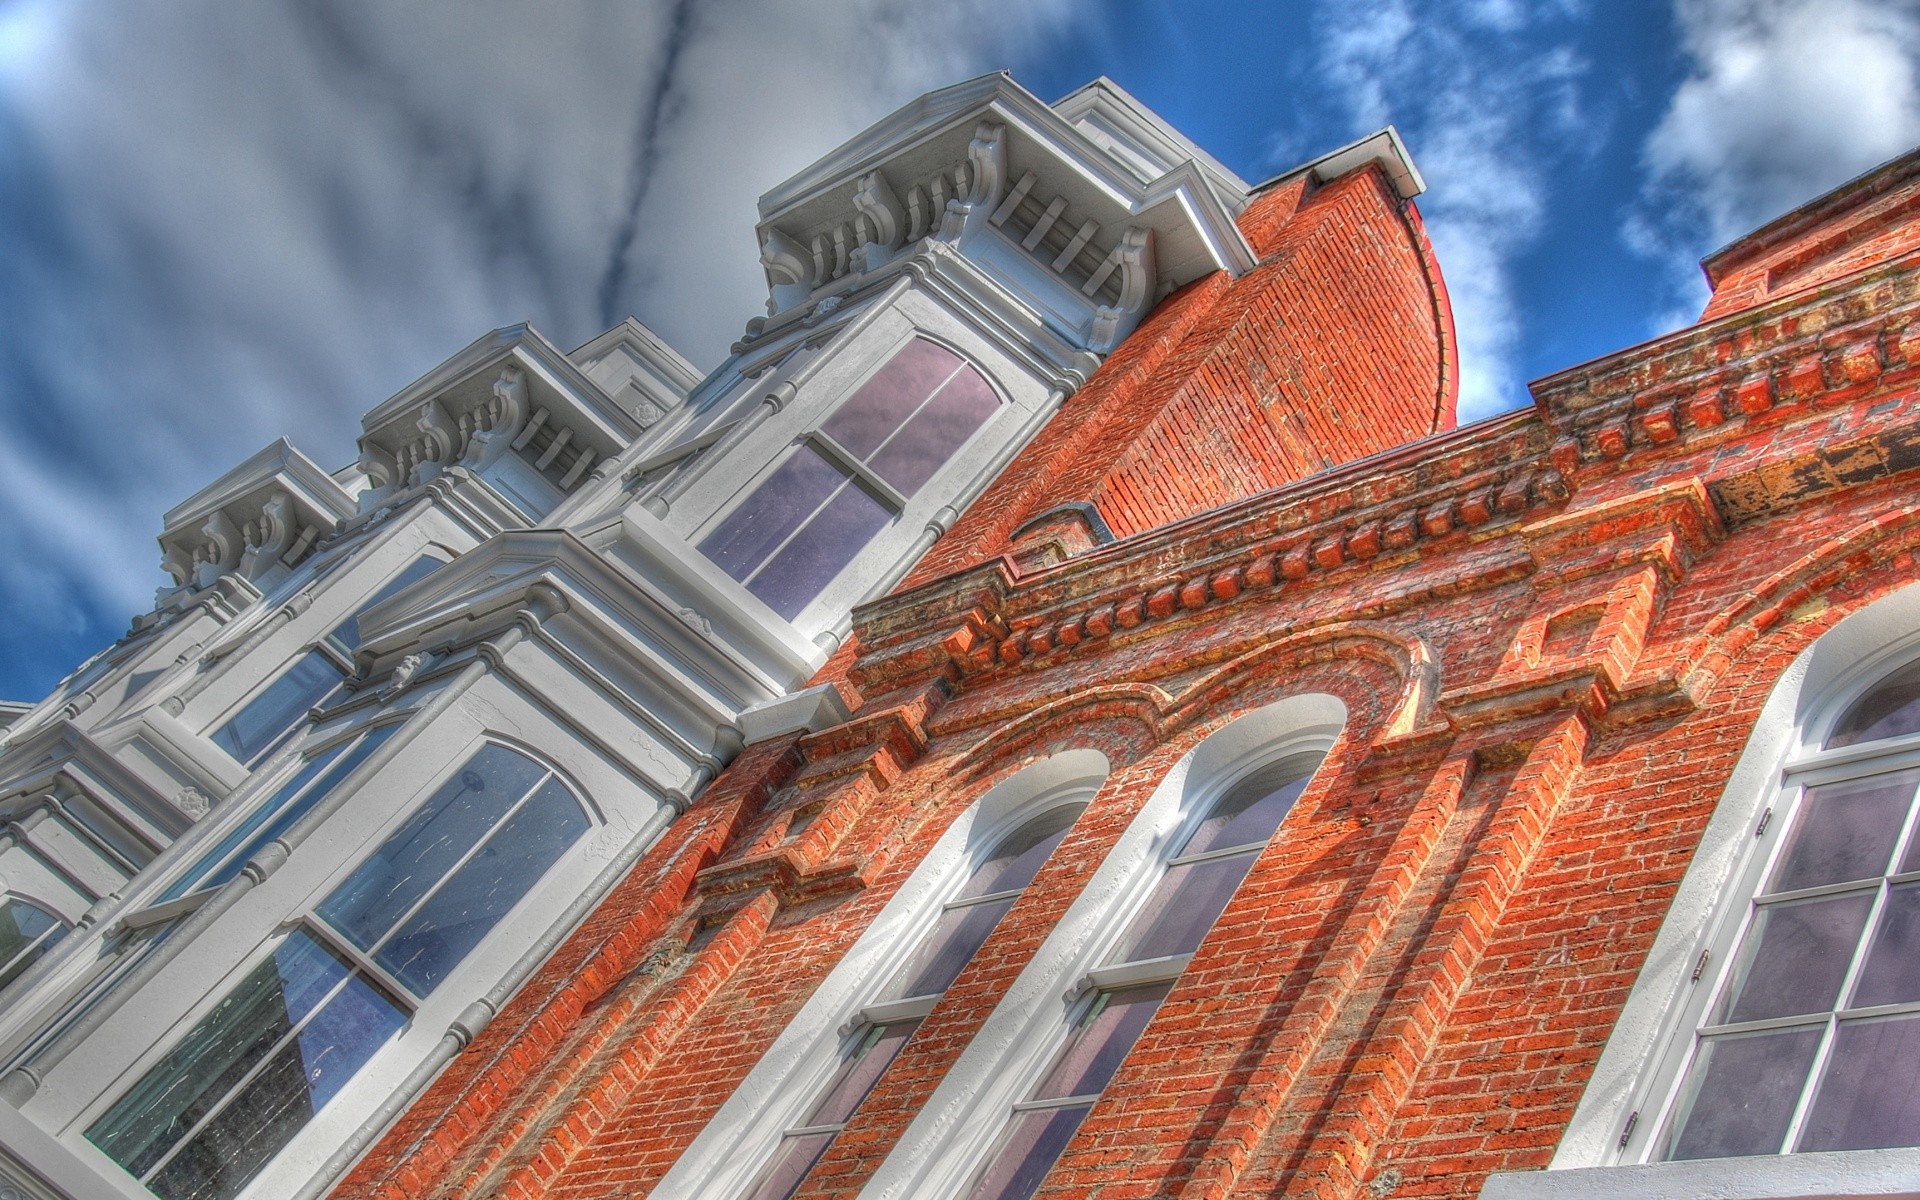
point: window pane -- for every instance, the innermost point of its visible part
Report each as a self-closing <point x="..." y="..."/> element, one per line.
<point x="1188" y="900"/>
<point x="1868" y="1098"/>
<point x="1889" y="710"/>
<point x="938" y="960"/>
<point x="1251" y="810"/>
<point x="27" y="932"/>
<point x="294" y="799"/>
<point x="776" y="508"/>
<point x="1017" y="859"/>
<point x="1795" y="958"/>
<point x="258" y="727"/>
<point x="911" y="457"/>
<point x="1845" y="831"/>
<point x="859" y="1072"/>
<point x="1100" y="1041"/>
<point x="273" y="1106"/>
<point x="421" y="852"/>
<point x="347" y="633"/>
<point x="805" y="565"/>
<point x="891" y="396"/>
<point x="212" y="1059"/>
<point x="1891" y="974"/>
<point x="437" y="937"/>
<point x="1743" y="1093"/>
<point x="1032" y="1147"/>
<point x="795" y="1157"/>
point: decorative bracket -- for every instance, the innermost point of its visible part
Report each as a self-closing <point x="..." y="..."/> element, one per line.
<point x="1134" y="259"/>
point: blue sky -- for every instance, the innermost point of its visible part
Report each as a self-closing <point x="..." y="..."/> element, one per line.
<point x="222" y="223"/>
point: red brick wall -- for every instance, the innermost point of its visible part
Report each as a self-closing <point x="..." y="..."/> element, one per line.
<point x="1551" y="632"/>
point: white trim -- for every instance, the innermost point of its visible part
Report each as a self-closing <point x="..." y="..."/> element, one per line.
<point x="944" y="1147"/>
<point x="1637" y="1069"/>
<point x="727" y="1155"/>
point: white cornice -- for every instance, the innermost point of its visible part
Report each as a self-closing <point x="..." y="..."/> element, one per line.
<point x="279" y="460"/>
<point x="1383" y="146"/>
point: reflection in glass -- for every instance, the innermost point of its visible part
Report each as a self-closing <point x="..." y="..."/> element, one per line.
<point x="1744" y="1088"/>
<point x="27" y="932"/>
<point x="1845" y="831"/>
<point x="267" y="718"/>
<point x="1795" y="958"/>
<point x="1891" y="709"/>
<point x="1867" y="1097"/>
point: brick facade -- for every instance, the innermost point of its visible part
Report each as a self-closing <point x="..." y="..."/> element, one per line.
<point x="1552" y="632"/>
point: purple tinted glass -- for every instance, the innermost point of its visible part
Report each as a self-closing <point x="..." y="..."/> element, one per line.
<point x="1100" y="1041"/>
<point x="791" y="1161"/>
<point x="805" y="565"/>
<point x="1845" y="831"/>
<point x="1017" y="859"/>
<point x="941" y="955"/>
<point x="776" y="508"/>
<point x="1796" y="956"/>
<point x="1745" y="1087"/>
<point x="1033" y="1145"/>
<point x="1189" y="898"/>
<point x="1248" y="814"/>
<point x="911" y="457"/>
<point x="859" y="1072"/>
<point x="1867" y="1098"/>
<point x="890" y="397"/>
<point x="1892" y="708"/>
<point x="1892" y="971"/>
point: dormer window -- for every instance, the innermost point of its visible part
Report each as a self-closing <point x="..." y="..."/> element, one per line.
<point x="852" y="476"/>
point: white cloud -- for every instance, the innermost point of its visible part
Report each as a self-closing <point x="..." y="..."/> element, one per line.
<point x="1785" y="99"/>
<point x="220" y="223"/>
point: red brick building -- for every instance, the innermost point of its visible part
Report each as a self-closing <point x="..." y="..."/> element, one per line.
<point x="1506" y="727"/>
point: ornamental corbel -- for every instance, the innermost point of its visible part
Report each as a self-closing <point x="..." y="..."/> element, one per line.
<point x="978" y="194"/>
<point x="435" y="444"/>
<point x="790" y="269"/>
<point x="274" y="534"/>
<point x="381" y="470"/>
<point x="1135" y="263"/>
<point x="222" y="551"/>
<point x="873" y="197"/>
<point x="506" y="414"/>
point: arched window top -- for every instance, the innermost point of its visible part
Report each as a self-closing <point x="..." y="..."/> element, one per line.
<point x="27" y="931"/>
<point x="1890" y="708"/>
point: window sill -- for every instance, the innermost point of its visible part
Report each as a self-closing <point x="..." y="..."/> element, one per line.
<point x="1843" y="1174"/>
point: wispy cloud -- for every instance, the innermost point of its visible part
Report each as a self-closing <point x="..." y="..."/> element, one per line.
<point x="222" y="223"/>
<point x="1488" y="95"/>
<point x="1784" y="100"/>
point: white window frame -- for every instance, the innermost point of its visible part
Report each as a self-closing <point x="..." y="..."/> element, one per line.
<point x="950" y="1140"/>
<point x="729" y="1153"/>
<point x="1622" y="1113"/>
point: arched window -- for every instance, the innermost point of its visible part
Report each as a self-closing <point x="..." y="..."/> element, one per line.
<point x="254" y="1070"/>
<point x="1121" y="996"/>
<point x="27" y="932"/>
<point x="850" y="477"/>
<point x="1811" y="1038"/>
<point x="883" y="1027"/>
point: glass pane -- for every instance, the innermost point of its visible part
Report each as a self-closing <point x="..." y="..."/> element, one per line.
<point x="258" y="727"/>
<point x="776" y="508"/>
<point x="437" y="937"/>
<point x="1017" y="859"/>
<point x="296" y="1082"/>
<point x="1795" y="958"/>
<point x="891" y="396"/>
<point x="1033" y="1145"/>
<point x="859" y="1071"/>
<point x="347" y="633"/>
<point x="1868" y="1097"/>
<point x="1100" y="1041"/>
<point x="912" y="455"/>
<point x="1892" y="971"/>
<point x="1252" y="809"/>
<point x="805" y="565"/>
<point x="938" y="960"/>
<point x="791" y="1161"/>
<point x="1742" y="1091"/>
<point x="240" y="1032"/>
<point x="27" y="932"/>
<point x="421" y="852"/>
<point x="1889" y="710"/>
<point x="1188" y="900"/>
<point x="1845" y="831"/>
<point x="293" y="801"/>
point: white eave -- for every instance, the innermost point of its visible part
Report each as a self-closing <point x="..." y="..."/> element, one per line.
<point x="1382" y="146"/>
<point x="279" y="464"/>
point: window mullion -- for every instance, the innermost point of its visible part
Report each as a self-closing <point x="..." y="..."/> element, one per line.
<point x="479" y="844"/>
<point x="1808" y="1086"/>
<point x="240" y="1085"/>
<point x="859" y="472"/>
<point x="1221" y="852"/>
